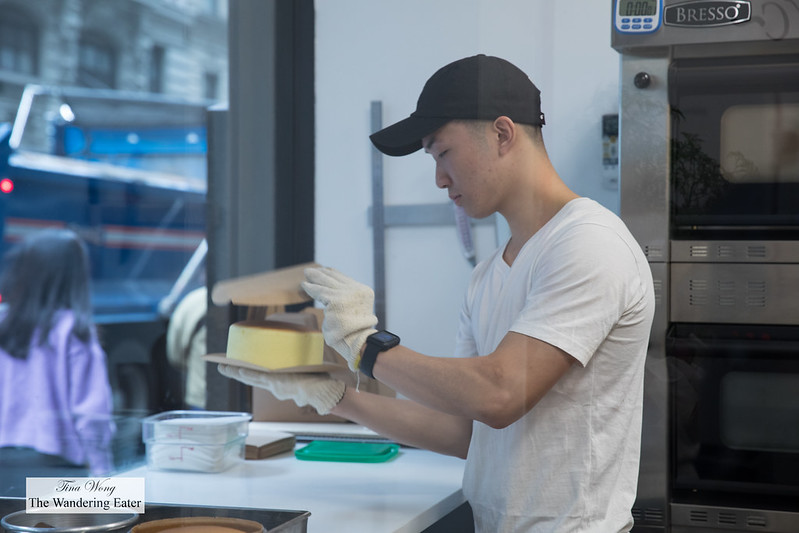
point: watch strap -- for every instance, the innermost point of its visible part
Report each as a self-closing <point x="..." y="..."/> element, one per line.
<point x="368" y="360"/>
<point x="377" y="342"/>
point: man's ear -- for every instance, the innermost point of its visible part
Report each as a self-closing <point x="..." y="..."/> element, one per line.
<point x="505" y="130"/>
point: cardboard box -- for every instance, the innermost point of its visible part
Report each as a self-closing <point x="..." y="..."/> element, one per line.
<point x="266" y="295"/>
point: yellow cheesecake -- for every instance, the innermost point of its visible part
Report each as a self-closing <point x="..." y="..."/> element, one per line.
<point x="275" y="345"/>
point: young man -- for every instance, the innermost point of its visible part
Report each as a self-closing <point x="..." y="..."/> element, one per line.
<point x="544" y="400"/>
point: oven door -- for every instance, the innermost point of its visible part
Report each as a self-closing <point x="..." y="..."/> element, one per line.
<point x="735" y="415"/>
<point x="735" y="147"/>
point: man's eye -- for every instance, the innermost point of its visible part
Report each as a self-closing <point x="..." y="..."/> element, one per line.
<point x="440" y="155"/>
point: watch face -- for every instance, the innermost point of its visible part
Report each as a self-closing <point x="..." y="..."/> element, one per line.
<point x="384" y="336"/>
<point x="383" y="340"/>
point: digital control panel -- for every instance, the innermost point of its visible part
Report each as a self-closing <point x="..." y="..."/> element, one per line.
<point x="638" y="16"/>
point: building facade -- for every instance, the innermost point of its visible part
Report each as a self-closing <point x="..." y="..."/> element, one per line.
<point x="170" y="47"/>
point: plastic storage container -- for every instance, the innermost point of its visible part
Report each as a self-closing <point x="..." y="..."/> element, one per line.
<point x="202" y="441"/>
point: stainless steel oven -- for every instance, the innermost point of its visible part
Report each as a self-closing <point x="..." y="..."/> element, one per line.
<point x="709" y="174"/>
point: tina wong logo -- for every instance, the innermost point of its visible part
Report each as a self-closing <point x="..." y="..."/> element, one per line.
<point x="84" y="495"/>
<point x="707" y="13"/>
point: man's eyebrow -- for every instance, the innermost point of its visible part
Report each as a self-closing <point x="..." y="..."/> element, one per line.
<point x="430" y="143"/>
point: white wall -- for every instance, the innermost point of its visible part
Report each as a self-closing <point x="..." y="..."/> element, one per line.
<point x="385" y="50"/>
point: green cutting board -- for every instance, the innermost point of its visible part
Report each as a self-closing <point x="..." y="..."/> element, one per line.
<point x="347" y="452"/>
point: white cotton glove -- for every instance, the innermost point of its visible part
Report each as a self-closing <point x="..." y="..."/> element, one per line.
<point x="320" y="391"/>
<point x="349" y="311"/>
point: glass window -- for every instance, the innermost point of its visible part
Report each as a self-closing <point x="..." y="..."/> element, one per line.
<point x="757" y="409"/>
<point x="760" y="143"/>
<point x="19" y="42"/>
<point x="94" y="151"/>
<point x="157" y="69"/>
<point x="96" y="62"/>
<point x="211" y="85"/>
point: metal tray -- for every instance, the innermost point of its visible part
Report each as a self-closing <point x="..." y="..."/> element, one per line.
<point x="273" y="520"/>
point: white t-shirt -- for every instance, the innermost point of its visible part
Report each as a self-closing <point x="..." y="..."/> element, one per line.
<point x="581" y="283"/>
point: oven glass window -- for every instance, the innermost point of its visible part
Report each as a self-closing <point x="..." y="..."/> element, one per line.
<point x="735" y="148"/>
<point x="760" y="143"/>
<point x="734" y="409"/>
<point x="756" y="409"/>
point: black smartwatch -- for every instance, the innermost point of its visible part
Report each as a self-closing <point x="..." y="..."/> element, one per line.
<point x="376" y="343"/>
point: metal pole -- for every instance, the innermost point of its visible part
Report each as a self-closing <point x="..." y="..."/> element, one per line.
<point x="378" y="221"/>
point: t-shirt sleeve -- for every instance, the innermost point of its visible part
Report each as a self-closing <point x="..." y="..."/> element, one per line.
<point x="578" y="290"/>
<point x="465" y="344"/>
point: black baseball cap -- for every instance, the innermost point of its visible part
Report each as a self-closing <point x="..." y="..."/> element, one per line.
<point x="480" y="87"/>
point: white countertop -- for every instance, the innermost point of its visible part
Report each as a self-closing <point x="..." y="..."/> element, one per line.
<point x="406" y="494"/>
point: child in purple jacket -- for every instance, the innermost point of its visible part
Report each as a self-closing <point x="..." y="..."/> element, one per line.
<point x="55" y="397"/>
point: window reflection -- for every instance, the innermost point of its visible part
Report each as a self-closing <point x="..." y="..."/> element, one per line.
<point x="96" y="61"/>
<point x="157" y="69"/>
<point x="107" y="137"/>
<point x="19" y="42"/>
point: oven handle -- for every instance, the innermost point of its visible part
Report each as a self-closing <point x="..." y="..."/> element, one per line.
<point x="697" y="76"/>
<point x="776" y="347"/>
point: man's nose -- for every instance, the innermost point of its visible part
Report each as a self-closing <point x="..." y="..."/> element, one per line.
<point x="442" y="178"/>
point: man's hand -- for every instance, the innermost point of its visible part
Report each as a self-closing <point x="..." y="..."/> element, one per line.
<point x="349" y="311"/>
<point x="320" y="391"/>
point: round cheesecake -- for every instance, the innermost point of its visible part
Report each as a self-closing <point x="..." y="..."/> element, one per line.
<point x="275" y="345"/>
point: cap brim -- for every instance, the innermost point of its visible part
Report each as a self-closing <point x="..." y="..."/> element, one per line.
<point x="405" y="137"/>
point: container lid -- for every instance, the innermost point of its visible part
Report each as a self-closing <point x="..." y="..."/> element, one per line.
<point x="196" y="427"/>
<point x="273" y="288"/>
<point x="349" y="452"/>
<point x="200" y="417"/>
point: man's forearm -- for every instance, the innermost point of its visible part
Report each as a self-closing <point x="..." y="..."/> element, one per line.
<point x="407" y="422"/>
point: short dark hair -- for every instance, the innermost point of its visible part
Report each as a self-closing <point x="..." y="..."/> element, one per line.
<point x="533" y="132"/>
